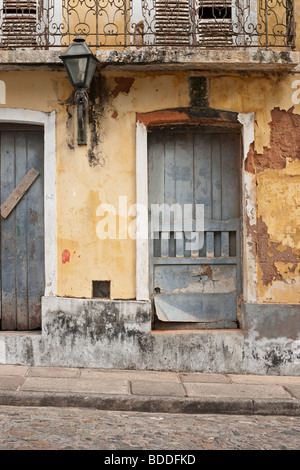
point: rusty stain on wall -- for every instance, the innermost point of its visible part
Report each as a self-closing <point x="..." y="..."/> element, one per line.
<point x="123" y="85"/>
<point x="98" y="97"/>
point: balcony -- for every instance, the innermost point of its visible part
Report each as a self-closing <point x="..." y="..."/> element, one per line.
<point x="152" y="32"/>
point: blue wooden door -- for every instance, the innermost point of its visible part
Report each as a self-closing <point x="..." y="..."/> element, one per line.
<point x="22" y="232"/>
<point x="195" y="267"/>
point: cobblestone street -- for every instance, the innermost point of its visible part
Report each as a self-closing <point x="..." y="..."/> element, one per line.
<point x="25" y="428"/>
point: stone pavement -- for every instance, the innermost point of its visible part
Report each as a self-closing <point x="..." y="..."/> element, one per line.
<point x="149" y="391"/>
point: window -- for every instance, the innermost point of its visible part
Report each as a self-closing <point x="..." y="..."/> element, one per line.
<point x="30" y="23"/>
<point x="19" y="23"/>
<point x="204" y="23"/>
<point x="215" y="22"/>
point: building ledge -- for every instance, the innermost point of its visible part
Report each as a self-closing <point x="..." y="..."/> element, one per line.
<point x="157" y="59"/>
<point x="202" y="59"/>
<point x="28" y="59"/>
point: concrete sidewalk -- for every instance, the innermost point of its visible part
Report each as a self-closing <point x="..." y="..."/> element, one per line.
<point x="149" y="391"/>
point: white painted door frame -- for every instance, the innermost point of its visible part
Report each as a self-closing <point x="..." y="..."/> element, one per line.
<point x="249" y="266"/>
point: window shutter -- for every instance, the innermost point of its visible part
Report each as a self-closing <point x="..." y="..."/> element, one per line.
<point x="215" y="23"/>
<point x="173" y="22"/>
<point x="19" y="22"/>
<point x="187" y="22"/>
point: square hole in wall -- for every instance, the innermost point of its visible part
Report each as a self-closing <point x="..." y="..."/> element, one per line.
<point x="101" y="289"/>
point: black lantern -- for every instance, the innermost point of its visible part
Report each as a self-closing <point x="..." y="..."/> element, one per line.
<point x="81" y="65"/>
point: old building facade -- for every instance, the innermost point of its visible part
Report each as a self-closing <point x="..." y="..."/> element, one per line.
<point x="170" y="240"/>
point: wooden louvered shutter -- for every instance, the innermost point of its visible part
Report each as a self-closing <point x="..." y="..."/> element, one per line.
<point x="215" y="22"/>
<point x="173" y="22"/>
<point x="19" y="23"/>
<point x="187" y="22"/>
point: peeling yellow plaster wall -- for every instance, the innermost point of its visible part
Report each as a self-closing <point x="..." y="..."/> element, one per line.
<point x="82" y="187"/>
<point x="297" y="21"/>
<point x="278" y="200"/>
<point x="278" y="196"/>
<point x="115" y="259"/>
<point x="258" y="94"/>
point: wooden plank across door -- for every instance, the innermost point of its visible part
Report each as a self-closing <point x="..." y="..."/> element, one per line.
<point x="22" y="229"/>
<point x="18" y="193"/>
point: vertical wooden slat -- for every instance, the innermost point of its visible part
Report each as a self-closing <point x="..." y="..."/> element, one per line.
<point x="230" y="176"/>
<point x="233" y="243"/>
<point x="8" y="235"/>
<point x="21" y="235"/>
<point x="216" y="177"/>
<point x="184" y="180"/>
<point x="239" y="274"/>
<point x="194" y="244"/>
<point x="169" y="172"/>
<point x="165" y="244"/>
<point x="156" y="157"/>
<point x="184" y="168"/>
<point x="169" y="192"/>
<point x="210" y="250"/>
<point x="179" y="244"/>
<point x="225" y="244"/>
<point x="202" y="172"/>
<point x="172" y="245"/>
<point x="156" y="169"/>
<point x="35" y="241"/>
<point x="217" y="242"/>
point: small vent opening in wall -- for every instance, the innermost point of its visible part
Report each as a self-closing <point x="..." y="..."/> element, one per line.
<point x="101" y="289"/>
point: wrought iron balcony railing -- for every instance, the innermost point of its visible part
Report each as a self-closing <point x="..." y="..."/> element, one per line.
<point x="114" y="24"/>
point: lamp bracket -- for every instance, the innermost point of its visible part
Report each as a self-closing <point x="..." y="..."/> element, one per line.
<point x="81" y="98"/>
<point x="81" y="101"/>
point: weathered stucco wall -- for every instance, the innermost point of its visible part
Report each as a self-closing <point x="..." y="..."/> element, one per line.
<point x="117" y="334"/>
<point x="104" y="170"/>
<point x="274" y="160"/>
<point x="108" y="166"/>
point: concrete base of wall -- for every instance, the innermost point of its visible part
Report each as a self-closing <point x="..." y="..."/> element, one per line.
<point x="117" y="335"/>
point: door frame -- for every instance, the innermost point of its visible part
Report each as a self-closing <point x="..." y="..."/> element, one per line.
<point x="248" y="189"/>
<point x="48" y="121"/>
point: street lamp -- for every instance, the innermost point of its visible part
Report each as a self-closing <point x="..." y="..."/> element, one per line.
<point x="81" y="65"/>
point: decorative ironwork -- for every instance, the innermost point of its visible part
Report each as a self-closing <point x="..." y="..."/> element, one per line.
<point x="117" y="24"/>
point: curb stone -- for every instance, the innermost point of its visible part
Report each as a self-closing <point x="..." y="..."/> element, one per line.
<point x="158" y="404"/>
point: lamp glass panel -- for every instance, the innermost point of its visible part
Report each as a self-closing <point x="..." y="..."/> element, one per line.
<point x="91" y="70"/>
<point x="77" y="69"/>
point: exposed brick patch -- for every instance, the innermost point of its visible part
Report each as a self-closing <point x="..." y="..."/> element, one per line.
<point x="163" y="117"/>
<point x="284" y="143"/>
